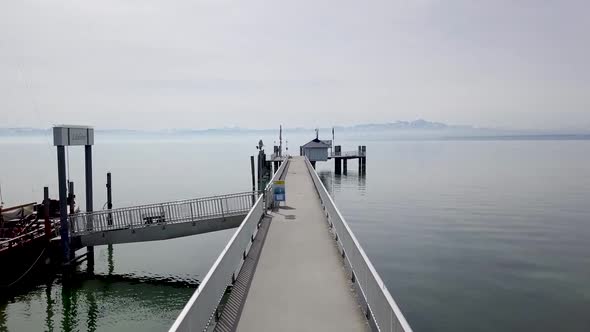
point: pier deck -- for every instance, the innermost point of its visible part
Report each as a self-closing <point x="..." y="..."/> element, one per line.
<point x="295" y="268"/>
<point x="300" y="283"/>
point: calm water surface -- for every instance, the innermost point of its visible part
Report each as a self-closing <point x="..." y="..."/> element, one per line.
<point x="468" y="235"/>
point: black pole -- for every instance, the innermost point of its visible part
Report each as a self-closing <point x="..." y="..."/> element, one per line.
<point x="64" y="230"/>
<point x="47" y="223"/>
<point x="89" y="203"/>
<point x="253" y="179"/>
<point x="71" y="197"/>
<point x="110" y="260"/>
<point x="72" y="201"/>
<point x="109" y="198"/>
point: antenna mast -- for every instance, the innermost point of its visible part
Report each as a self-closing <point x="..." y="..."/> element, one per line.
<point x="281" y="141"/>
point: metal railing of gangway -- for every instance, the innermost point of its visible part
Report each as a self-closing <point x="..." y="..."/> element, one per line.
<point x="348" y="154"/>
<point x="379" y="306"/>
<point x="200" y="310"/>
<point x="161" y="213"/>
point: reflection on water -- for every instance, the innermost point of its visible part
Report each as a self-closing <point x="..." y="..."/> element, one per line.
<point x="86" y="302"/>
<point x="3" y="327"/>
<point x="337" y="182"/>
<point x="110" y="261"/>
<point x="468" y="236"/>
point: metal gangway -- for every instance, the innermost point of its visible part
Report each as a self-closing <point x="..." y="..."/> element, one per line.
<point x="292" y="268"/>
<point x="160" y="221"/>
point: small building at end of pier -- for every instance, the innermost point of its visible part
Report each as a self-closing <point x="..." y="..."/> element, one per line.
<point x="316" y="150"/>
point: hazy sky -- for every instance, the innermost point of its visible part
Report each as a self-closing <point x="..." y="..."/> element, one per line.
<point x="214" y="63"/>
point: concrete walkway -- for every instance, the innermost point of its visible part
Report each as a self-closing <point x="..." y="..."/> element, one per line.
<point x="300" y="283"/>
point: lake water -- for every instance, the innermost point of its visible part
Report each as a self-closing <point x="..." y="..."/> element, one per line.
<point x="467" y="235"/>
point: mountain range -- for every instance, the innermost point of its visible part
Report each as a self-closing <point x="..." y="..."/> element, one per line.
<point x="415" y="128"/>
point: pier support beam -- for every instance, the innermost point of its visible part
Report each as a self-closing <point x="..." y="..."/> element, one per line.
<point x="109" y="198"/>
<point x="110" y="221"/>
<point x="72" y="136"/>
<point x="89" y="198"/>
<point x="364" y="154"/>
<point x="64" y="230"/>
<point x="47" y="223"/>
<point x="337" y="166"/>
<point x="345" y="164"/>
<point x="363" y="163"/>
<point x="72" y="205"/>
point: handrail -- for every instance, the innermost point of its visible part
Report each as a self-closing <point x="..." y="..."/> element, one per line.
<point x="177" y="201"/>
<point x="348" y="154"/>
<point x="380" y="306"/>
<point x="200" y="309"/>
<point x="35" y="233"/>
<point x="8" y="209"/>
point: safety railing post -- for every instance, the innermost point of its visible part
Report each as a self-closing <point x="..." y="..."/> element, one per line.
<point x="192" y="213"/>
<point x="130" y="221"/>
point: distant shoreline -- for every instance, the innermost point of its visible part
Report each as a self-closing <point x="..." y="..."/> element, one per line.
<point x="383" y="136"/>
<point x="555" y="137"/>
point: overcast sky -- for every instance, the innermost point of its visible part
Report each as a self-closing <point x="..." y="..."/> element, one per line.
<point x="214" y="63"/>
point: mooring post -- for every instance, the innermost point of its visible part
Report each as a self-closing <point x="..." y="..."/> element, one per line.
<point x="71" y="197"/>
<point x="109" y="199"/>
<point x="253" y="179"/>
<point x="259" y="171"/>
<point x="337" y="160"/>
<point x="64" y="230"/>
<point x="110" y="222"/>
<point x="360" y="159"/>
<point x="46" y="203"/>
<point x="72" y="203"/>
<point x="364" y="158"/>
<point x="89" y="199"/>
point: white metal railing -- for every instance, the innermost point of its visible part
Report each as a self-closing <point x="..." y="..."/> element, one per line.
<point x="380" y="308"/>
<point x="161" y="213"/>
<point x="348" y="154"/>
<point x="200" y="309"/>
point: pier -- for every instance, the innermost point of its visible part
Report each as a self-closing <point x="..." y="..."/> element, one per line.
<point x="293" y="264"/>
<point x="296" y="267"/>
<point x="341" y="159"/>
